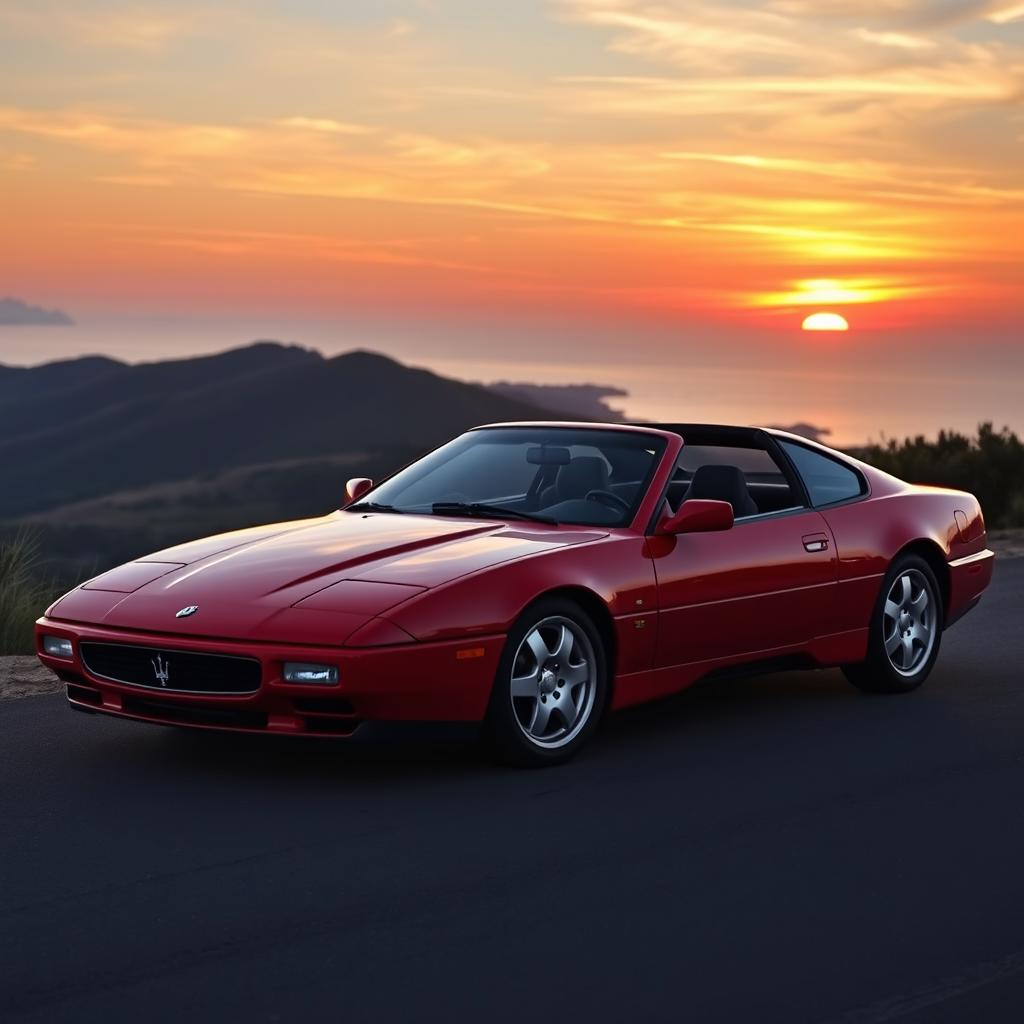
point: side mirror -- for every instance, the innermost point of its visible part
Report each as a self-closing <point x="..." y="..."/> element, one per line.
<point x="356" y="488"/>
<point x="699" y="515"/>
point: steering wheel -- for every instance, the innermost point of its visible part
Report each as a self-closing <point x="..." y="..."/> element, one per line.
<point x="609" y="499"/>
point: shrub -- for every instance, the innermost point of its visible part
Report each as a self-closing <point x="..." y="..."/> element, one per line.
<point x="25" y="592"/>
<point x="989" y="465"/>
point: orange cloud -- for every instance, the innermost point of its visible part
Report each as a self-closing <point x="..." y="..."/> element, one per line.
<point x="660" y="156"/>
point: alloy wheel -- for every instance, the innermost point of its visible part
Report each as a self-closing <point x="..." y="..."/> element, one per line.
<point x="908" y="622"/>
<point x="554" y="682"/>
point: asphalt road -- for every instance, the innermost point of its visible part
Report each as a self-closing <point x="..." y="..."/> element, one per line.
<point x="779" y="848"/>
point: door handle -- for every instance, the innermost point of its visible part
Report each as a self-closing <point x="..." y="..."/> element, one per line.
<point x="815" y="542"/>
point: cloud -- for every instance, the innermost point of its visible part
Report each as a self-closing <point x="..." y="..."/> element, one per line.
<point x="898" y="40"/>
<point x="919" y="14"/>
<point x="826" y="45"/>
<point x="482" y="156"/>
<point x="327" y="125"/>
<point x="104" y="25"/>
<point x="698" y="35"/>
<point x="800" y="77"/>
<point x="295" y="155"/>
<point x="1002" y="14"/>
<point x="637" y="150"/>
<point x="16" y="161"/>
<point x="14" y="312"/>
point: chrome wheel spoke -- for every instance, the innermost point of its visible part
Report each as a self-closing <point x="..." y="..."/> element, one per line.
<point x="536" y="644"/>
<point x="892" y="643"/>
<point x="892" y="609"/>
<point x="919" y="605"/>
<point x="539" y="719"/>
<point x="567" y="708"/>
<point x="905" y="589"/>
<point x="575" y="674"/>
<point x="524" y="686"/>
<point x="563" y="644"/>
<point x="908" y="651"/>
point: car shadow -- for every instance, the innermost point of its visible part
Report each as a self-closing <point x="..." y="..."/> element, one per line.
<point x="740" y="695"/>
<point x="392" y="751"/>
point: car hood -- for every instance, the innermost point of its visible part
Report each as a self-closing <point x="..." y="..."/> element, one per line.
<point x="312" y="581"/>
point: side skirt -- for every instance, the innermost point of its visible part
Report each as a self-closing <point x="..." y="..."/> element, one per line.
<point x="823" y="652"/>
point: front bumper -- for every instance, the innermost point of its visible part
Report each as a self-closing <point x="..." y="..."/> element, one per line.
<point x="447" y="681"/>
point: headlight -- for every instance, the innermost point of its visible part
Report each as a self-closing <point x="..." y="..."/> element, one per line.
<point x="58" y="647"/>
<point x="317" y="675"/>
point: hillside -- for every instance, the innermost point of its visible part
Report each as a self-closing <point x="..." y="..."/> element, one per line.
<point x="108" y="460"/>
<point x="584" y="401"/>
<point x="79" y="430"/>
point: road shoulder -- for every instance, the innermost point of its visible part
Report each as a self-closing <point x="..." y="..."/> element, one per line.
<point x="22" y="676"/>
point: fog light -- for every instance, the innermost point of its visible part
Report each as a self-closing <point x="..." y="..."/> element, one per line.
<point x="317" y="675"/>
<point x="57" y="647"/>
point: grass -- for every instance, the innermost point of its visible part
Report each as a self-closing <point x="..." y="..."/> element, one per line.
<point x="25" y="592"/>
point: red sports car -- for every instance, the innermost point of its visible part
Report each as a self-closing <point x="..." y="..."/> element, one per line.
<point x="530" y="576"/>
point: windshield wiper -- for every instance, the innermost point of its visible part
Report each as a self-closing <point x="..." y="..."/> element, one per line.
<point x="374" y="506"/>
<point x="485" y="511"/>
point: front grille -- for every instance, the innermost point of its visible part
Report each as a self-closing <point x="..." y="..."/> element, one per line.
<point x="171" y="671"/>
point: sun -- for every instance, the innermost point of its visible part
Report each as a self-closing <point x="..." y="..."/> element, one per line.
<point x="825" y="322"/>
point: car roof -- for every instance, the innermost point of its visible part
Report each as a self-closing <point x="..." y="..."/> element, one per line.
<point x="634" y="428"/>
<point x="713" y="433"/>
<point x="726" y="434"/>
<point x="693" y="433"/>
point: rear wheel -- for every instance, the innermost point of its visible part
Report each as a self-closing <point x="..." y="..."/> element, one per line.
<point x="906" y="629"/>
<point x="550" y="688"/>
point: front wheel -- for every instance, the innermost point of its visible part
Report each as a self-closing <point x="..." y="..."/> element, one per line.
<point x="906" y="629"/>
<point x="550" y="688"/>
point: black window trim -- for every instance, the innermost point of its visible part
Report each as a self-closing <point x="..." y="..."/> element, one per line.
<point x="754" y="438"/>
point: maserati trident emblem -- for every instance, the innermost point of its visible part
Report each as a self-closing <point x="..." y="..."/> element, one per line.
<point x="185" y="612"/>
<point x="161" y="669"/>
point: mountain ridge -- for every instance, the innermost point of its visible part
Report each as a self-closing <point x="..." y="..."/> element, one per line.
<point x="77" y="430"/>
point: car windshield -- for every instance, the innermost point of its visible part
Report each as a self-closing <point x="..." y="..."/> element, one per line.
<point x="586" y="477"/>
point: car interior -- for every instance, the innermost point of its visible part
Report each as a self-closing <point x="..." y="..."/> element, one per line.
<point x="748" y="478"/>
<point x="732" y="464"/>
<point x="725" y="464"/>
<point x="582" y="476"/>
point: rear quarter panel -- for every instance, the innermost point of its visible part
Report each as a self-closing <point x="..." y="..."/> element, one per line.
<point x="870" y="533"/>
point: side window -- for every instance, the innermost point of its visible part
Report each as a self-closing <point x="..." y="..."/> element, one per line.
<point x="826" y="479"/>
<point x="764" y="485"/>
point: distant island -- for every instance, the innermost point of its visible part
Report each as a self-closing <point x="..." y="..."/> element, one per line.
<point x="808" y="430"/>
<point x="15" y="313"/>
<point x="588" y="401"/>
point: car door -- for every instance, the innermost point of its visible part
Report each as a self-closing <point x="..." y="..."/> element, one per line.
<point x="769" y="582"/>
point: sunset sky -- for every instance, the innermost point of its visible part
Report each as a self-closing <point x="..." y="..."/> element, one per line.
<point x="410" y="173"/>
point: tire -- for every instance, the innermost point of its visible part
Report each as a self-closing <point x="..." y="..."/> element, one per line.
<point x="905" y="632"/>
<point x="551" y="686"/>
